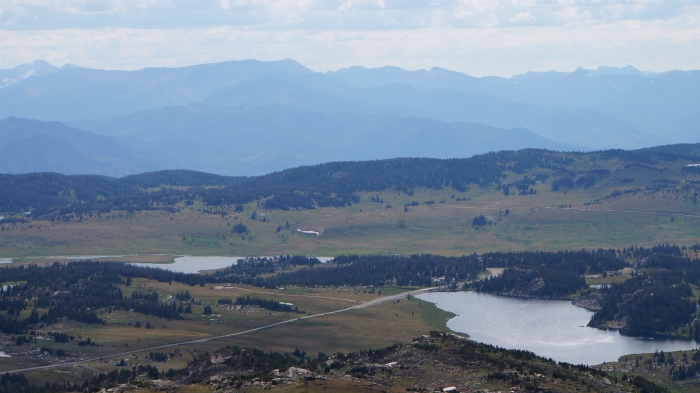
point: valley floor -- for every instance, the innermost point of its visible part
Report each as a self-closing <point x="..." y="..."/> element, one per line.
<point x="438" y="224"/>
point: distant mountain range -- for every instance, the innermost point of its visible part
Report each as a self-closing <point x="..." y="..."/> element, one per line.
<point x="241" y="141"/>
<point x="251" y="117"/>
<point x="36" y="146"/>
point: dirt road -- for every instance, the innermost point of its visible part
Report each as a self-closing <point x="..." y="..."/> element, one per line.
<point x="359" y="306"/>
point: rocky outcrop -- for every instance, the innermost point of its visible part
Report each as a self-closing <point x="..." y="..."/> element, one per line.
<point x="590" y="302"/>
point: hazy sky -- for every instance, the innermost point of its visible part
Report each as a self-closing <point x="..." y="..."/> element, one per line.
<point x="477" y="37"/>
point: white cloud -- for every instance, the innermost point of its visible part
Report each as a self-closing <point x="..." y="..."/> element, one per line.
<point x="361" y="4"/>
<point x="463" y="13"/>
<point x="654" y="46"/>
<point x="480" y="37"/>
<point x="319" y="14"/>
<point x="523" y="18"/>
<point x="293" y="19"/>
<point x="570" y="16"/>
<point x="490" y="20"/>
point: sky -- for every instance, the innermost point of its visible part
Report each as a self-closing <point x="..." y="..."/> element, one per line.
<point x="490" y="37"/>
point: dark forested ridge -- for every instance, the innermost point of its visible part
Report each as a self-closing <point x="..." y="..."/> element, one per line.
<point x="658" y="299"/>
<point x="179" y="177"/>
<point x="657" y="302"/>
<point x="372" y="270"/>
<point x="546" y="274"/>
<point x="76" y="290"/>
<point x="333" y="184"/>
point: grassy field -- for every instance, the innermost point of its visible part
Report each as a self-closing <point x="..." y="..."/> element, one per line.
<point x="546" y="221"/>
<point x="372" y="327"/>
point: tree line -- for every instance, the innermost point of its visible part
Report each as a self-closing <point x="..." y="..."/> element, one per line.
<point x="268" y="304"/>
<point x="545" y="274"/>
<point x="658" y="300"/>
<point x="75" y="290"/>
<point x="356" y="270"/>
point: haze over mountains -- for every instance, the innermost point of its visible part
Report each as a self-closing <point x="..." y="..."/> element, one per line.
<point x="251" y="117"/>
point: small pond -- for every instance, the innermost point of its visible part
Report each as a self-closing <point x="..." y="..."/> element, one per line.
<point x="81" y="257"/>
<point x="192" y="264"/>
<point x="181" y="264"/>
<point x="189" y="264"/>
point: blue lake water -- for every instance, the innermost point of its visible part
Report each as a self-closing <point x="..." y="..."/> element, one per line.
<point x="192" y="264"/>
<point x="181" y="264"/>
<point x="550" y="328"/>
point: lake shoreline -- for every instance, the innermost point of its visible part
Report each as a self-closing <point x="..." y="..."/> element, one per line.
<point x="550" y="328"/>
<point x="575" y="303"/>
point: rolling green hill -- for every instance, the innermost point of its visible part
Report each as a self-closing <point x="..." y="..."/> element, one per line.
<point x="334" y="184"/>
<point x="556" y="201"/>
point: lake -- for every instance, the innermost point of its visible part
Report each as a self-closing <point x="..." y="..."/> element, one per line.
<point x="181" y="264"/>
<point x="192" y="264"/>
<point x="550" y="328"/>
<point x="81" y="257"/>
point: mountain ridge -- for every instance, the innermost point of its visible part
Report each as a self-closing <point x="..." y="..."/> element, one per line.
<point x="584" y="109"/>
<point x="249" y="141"/>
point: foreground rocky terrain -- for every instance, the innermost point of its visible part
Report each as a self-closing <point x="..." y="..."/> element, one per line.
<point x="438" y="362"/>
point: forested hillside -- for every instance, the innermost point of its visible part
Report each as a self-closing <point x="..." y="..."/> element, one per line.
<point x="337" y="184"/>
<point x="657" y="299"/>
<point x="543" y="274"/>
